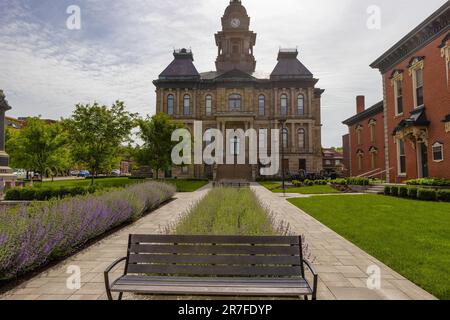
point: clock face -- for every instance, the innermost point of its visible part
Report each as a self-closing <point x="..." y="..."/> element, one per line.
<point x="235" y="23"/>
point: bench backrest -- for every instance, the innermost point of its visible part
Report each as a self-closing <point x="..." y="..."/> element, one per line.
<point x="240" y="256"/>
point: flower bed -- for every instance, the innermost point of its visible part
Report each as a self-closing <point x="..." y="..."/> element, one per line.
<point x="33" y="236"/>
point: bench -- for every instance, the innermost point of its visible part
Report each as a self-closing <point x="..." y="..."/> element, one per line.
<point x="268" y="266"/>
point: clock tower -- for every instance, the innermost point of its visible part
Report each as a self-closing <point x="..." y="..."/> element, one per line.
<point x="235" y="42"/>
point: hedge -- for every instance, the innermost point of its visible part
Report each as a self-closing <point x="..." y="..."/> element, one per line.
<point x="427" y="194"/>
<point x="387" y="190"/>
<point x="431" y="182"/>
<point x="412" y="192"/>
<point x="47" y="193"/>
<point x="358" y="181"/>
<point x="32" y="236"/>
<point x="394" y="191"/>
<point x="403" y="192"/>
<point x="444" y="195"/>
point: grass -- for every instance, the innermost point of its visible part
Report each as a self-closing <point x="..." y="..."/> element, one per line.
<point x="412" y="237"/>
<point x="227" y="211"/>
<point x="181" y="185"/>
<point x="276" y="187"/>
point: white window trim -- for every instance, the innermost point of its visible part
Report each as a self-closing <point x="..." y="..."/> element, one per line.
<point x="445" y="53"/>
<point x="416" y="65"/>
<point x="398" y="76"/>
<point x="400" y="174"/>
<point x="438" y="144"/>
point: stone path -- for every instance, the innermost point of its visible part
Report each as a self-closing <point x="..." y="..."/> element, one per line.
<point x="51" y="285"/>
<point x="341" y="265"/>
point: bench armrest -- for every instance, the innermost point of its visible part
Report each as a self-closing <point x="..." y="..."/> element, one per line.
<point x="315" y="275"/>
<point x="106" y="274"/>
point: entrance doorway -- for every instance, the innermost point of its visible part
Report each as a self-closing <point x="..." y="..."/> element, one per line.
<point x="422" y="160"/>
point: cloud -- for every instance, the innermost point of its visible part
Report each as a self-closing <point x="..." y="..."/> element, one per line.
<point x="123" y="45"/>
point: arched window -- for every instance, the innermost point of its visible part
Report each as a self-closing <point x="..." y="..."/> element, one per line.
<point x="360" y="155"/>
<point x="285" y="138"/>
<point x="372" y="124"/>
<point x="373" y="157"/>
<point x="234" y="102"/>
<point x="359" y="129"/>
<point x="170" y="104"/>
<point x="283" y="105"/>
<point x="301" y="138"/>
<point x="187" y="105"/>
<point x="262" y="105"/>
<point x="301" y="105"/>
<point x="208" y="104"/>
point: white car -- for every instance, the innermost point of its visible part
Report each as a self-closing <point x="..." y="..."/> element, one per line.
<point x="20" y="174"/>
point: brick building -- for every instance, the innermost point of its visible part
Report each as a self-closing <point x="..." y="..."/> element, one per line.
<point x="234" y="96"/>
<point x="333" y="162"/>
<point x="365" y="147"/>
<point x="416" y="105"/>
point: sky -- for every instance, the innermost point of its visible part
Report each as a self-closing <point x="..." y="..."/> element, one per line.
<point x="123" y="45"/>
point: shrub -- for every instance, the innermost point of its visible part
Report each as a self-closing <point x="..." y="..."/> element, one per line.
<point x="31" y="236"/>
<point x="308" y="183"/>
<point x="394" y="191"/>
<point x="403" y="192"/>
<point x="427" y="194"/>
<point x="444" y="195"/>
<point x="358" y="181"/>
<point x="432" y="182"/>
<point x="297" y="183"/>
<point x="47" y="193"/>
<point x="412" y="192"/>
<point x="387" y="190"/>
<point x="339" y="181"/>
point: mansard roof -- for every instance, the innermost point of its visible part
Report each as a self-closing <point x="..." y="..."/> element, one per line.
<point x="289" y="67"/>
<point x="182" y="67"/>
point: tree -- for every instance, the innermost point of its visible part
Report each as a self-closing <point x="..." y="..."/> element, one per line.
<point x="38" y="146"/>
<point x="96" y="134"/>
<point x="156" y="133"/>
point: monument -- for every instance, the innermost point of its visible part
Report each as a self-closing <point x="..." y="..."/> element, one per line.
<point x="7" y="178"/>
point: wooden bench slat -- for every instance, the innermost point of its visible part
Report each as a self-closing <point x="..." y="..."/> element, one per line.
<point x="215" y="249"/>
<point x="273" y="240"/>
<point x="215" y="259"/>
<point x="214" y="270"/>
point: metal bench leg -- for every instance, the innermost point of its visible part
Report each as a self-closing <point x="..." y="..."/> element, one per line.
<point x="120" y="296"/>
<point x="306" y="298"/>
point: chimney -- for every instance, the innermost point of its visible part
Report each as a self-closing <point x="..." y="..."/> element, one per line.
<point x="360" y="104"/>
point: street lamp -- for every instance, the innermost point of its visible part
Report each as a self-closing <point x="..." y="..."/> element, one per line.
<point x="282" y="123"/>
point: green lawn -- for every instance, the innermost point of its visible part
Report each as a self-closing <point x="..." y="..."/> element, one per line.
<point x="227" y="211"/>
<point x="412" y="237"/>
<point x="275" y="187"/>
<point x="182" y="185"/>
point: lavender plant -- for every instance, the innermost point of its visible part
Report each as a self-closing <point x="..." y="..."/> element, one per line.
<point x="32" y="236"/>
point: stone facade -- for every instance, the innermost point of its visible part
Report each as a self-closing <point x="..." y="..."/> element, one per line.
<point x="236" y="97"/>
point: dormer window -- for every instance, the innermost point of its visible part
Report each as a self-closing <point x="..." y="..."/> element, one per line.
<point x="416" y="72"/>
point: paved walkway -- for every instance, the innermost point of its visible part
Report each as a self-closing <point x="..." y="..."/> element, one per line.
<point x="341" y="265"/>
<point x="51" y="285"/>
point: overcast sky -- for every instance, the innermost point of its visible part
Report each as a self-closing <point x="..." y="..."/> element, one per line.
<point x="45" y="68"/>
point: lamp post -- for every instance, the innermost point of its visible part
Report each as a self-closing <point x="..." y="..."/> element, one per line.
<point x="282" y="122"/>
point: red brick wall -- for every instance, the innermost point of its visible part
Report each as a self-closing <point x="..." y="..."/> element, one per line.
<point x="437" y="104"/>
<point x="365" y="146"/>
<point x="346" y="147"/>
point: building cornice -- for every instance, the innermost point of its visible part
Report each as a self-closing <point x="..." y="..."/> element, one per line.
<point x="366" y="114"/>
<point x="434" y="26"/>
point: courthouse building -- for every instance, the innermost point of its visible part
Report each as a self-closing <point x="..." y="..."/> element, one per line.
<point x="234" y="96"/>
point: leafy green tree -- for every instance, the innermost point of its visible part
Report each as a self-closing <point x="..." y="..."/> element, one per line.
<point x="96" y="134"/>
<point x="38" y="146"/>
<point x="156" y="134"/>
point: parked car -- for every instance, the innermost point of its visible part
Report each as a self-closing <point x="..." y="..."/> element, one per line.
<point x="116" y="172"/>
<point x="74" y="173"/>
<point x="20" y="173"/>
<point x="84" y="174"/>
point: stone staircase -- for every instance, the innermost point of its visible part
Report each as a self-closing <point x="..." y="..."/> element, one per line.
<point x="376" y="189"/>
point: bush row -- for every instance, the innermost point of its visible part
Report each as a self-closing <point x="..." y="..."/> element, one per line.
<point x="31" y="236"/>
<point x="309" y="183"/>
<point x="47" y="193"/>
<point x="354" y="181"/>
<point x="432" y="182"/>
<point x="417" y="193"/>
